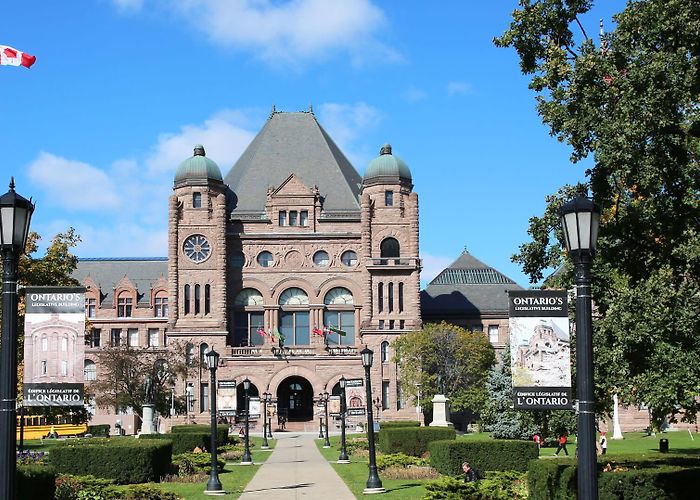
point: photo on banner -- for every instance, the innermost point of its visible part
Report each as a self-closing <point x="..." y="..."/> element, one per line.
<point x="54" y="346"/>
<point x="540" y="350"/>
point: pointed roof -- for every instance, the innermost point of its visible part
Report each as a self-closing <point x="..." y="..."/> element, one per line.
<point x="468" y="286"/>
<point x="293" y="143"/>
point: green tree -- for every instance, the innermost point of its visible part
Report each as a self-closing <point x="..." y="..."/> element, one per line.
<point x="444" y="358"/>
<point x="629" y="101"/>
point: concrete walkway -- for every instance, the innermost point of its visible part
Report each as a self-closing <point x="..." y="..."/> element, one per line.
<point x="296" y="469"/>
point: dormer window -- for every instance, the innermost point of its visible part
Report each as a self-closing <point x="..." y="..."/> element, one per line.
<point x="283" y="218"/>
<point x="304" y="218"/>
<point x="389" y="198"/>
<point x="293" y="218"/>
<point x="124" y="304"/>
<point x="196" y="200"/>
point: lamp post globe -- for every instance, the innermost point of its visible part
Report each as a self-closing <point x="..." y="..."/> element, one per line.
<point x="343" y="458"/>
<point x="580" y="219"/>
<point x="247" y="459"/>
<point x="15" y="216"/>
<point x="214" y="486"/>
<point x="374" y="484"/>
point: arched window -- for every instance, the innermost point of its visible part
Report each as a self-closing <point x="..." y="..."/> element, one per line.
<point x="196" y="299"/>
<point x="338" y="295"/>
<point x="160" y="305"/>
<point x="385" y="352"/>
<point x="294" y="317"/>
<point x="340" y="314"/>
<point x="248" y="297"/>
<point x="248" y="318"/>
<point x="189" y="354"/>
<point x="187" y="299"/>
<point x="203" y="348"/>
<point x="207" y="299"/>
<point x="390" y="248"/>
<point x="90" y="370"/>
<point x="124" y="304"/>
<point x="391" y="297"/>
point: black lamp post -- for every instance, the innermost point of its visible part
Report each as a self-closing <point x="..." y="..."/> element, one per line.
<point x="269" y="419"/>
<point x="343" y="458"/>
<point x="265" y="445"/>
<point x="15" y="216"/>
<point x="247" y="459"/>
<point x="213" y="485"/>
<point x="326" y="443"/>
<point x="580" y="218"/>
<point x="374" y="484"/>
<point x="320" y="421"/>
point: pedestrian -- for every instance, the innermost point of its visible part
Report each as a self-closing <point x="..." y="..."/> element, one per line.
<point x="603" y="443"/>
<point x="537" y="438"/>
<point x="562" y="444"/>
<point x="470" y="473"/>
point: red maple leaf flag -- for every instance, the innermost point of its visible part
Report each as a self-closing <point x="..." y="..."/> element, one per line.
<point x="14" y="57"/>
<point x="318" y="331"/>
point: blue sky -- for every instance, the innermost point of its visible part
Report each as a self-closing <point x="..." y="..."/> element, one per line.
<point x="123" y="89"/>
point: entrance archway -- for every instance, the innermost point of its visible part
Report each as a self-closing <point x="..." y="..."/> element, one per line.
<point x="295" y="397"/>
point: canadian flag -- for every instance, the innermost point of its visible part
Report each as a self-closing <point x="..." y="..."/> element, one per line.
<point x="13" y="57"/>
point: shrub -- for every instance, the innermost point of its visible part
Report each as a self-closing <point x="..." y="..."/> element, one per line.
<point x="35" y="481"/>
<point x="195" y="463"/>
<point x="411" y="440"/>
<point x="410" y="472"/>
<point x="493" y="455"/>
<point x="398" y="460"/>
<point x="357" y="444"/>
<point x="221" y="431"/>
<point x="101" y="430"/>
<point x="125" y="461"/>
<point x="70" y="487"/>
<point x="496" y="486"/>
<point x="31" y="457"/>
<point x="186" y="438"/>
<point x="148" y="492"/>
<point x="393" y="424"/>
<point x="658" y="478"/>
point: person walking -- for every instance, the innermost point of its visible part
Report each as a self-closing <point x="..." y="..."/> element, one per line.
<point x="603" y="443"/>
<point x="562" y="444"/>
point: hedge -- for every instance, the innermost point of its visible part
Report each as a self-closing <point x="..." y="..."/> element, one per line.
<point x="125" y="461"/>
<point x="493" y="455"/>
<point x="393" y="424"/>
<point x="221" y="431"/>
<point x="185" y="442"/>
<point x="655" y="479"/>
<point x="101" y="430"/>
<point x="35" y="481"/>
<point x="411" y="440"/>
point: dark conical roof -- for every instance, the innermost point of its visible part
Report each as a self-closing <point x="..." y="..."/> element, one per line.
<point x="293" y="143"/>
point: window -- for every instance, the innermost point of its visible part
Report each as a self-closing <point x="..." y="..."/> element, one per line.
<point x="207" y="299"/>
<point x="64" y="368"/>
<point x="133" y="337"/>
<point x="124" y="306"/>
<point x="189" y="354"/>
<point x="44" y="344"/>
<point x="389" y="198"/>
<point x="342" y="320"/>
<point x="294" y="297"/>
<point x="196" y="200"/>
<point x="189" y="394"/>
<point x="187" y="299"/>
<point x="196" y="299"/>
<point x="493" y="334"/>
<point x="44" y="368"/>
<point x="153" y="337"/>
<point x="203" y="348"/>
<point x="321" y="258"/>
<point x="293" y="218"/>
<point x="115" y="337"/>
<point x="294" y="325"/>
<point x="381" y="324"/>
<point x="380" y="297"/>
<point x="161" y="306"/>
<point x="400" y="397"/>
<point x="384" y="350"/>
<point x="400" y="297"/>
<point x="245" y="328"/>
<point x="391" y="297"/>
<point x="385" y="394"/>
<point x="90" y="306"/>
<point x="96" y="333"/>
<point x="248" y="297"/>
<point x="304" y="218"/>
<point x="391" y="324"/>
<point x="389" y="248"/>
<point x="338" y="296"/>
<point x="265" y="259"/>
<point x="402" y="324"/>
<point x="349" y="258"/>
<point x="204" y="397"/>
<point x="64" y="344"/>
<point x="283" y="217"/>
<point x="90" y="370"/>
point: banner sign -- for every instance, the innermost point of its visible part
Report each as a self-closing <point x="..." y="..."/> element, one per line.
<point x="334" y="406"/>
<point x="226" y="398"/>
<point x="54" y="346"/>
<point x="540" y="350"/>
<point x="254" y="408"/>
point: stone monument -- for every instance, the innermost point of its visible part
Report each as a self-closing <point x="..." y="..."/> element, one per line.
<point x="148" y="408"/>
<point x="441" y="411"/>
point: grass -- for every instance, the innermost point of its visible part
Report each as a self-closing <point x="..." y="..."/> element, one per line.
<point x="355" y="475"/>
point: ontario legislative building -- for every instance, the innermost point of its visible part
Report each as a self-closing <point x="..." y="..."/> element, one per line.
<point x="290" y="242"/>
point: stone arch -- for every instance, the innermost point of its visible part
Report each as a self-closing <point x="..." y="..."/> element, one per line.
<point x="290" y="371"/>
<point x="336" y="281"/>
<point x="400" y="235"/>
<point x="293" y="282"/>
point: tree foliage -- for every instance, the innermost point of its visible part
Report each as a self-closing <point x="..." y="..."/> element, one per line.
<point x="629" y="101"/>
<point x="445" y="358"/>
<point x="123" y="370"/>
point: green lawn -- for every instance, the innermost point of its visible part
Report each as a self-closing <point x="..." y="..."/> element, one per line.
<point x="355" y="475"/>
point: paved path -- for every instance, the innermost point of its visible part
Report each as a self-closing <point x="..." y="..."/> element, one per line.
<point x="296" y="469"/>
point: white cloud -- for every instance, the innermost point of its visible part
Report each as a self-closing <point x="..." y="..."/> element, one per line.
<point x="413" y="94"/>
<point x="291" y="32"/>
<point x="459" y="88"/>
<point x="432" y="266"/>
<point x="345" y="123"/>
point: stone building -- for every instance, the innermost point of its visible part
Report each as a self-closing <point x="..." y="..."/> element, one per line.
<point x="290" y="242"/>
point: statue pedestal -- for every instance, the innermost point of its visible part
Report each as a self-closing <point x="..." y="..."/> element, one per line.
<point x="147" y="422"/>
<point x="441" y="411"/>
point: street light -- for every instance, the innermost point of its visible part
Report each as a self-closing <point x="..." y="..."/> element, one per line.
<point x="265" y="445"/>
<point x="213" y="485"/>
<point x="247" y="459"/>
<point x="374" y="484"/>
<point x="269" y="419"/>
<point x="580" y="218"/>
<point x="326" y="443"/>
<point x="343" y="458"/>
<point x="15" y="216"/>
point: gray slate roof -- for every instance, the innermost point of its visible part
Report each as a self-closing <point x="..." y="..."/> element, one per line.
<point x="467" y="287"/>
<point x="108" y="272"/>
<point x="293" y="143"/>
